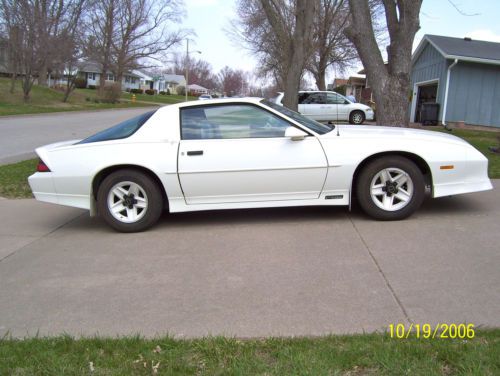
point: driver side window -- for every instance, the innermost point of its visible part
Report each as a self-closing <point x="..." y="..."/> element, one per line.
<point x="334" y="99"/>
<point x="230" y="121"/>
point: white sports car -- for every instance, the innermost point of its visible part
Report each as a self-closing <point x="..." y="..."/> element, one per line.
<point x="250" y="153"/>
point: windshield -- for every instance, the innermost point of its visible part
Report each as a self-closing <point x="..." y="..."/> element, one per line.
<point x="123" y="130"/>
<point x="306" y="122"/>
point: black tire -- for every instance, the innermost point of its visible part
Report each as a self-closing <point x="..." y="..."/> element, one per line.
<point x="399" y="209"/>
<point x="146" y="217"/>
<point x="356" y="117"/>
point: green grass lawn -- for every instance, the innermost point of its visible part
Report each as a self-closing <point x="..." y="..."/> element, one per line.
<point x="45" y="100"/>
<point x="14" y="179"/>
<point x="368" y="354"/>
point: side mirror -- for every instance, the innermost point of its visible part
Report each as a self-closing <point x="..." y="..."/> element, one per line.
<point x="295" y="134"/>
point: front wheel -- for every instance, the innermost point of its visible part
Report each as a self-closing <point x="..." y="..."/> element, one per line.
<point x="129" y="201"/>
<point x="357" y="117"/>
<point x="390" y="188"/>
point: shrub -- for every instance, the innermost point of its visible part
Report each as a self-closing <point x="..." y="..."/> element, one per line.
<point x="168" y="92"/>
<point x="111" y="93"/>
<point x="150" y="91"/>
<point x="162" y="93"/>
<point x="136" y="91"/>
<point x="92" y="87"/>
<point x="181" y="90"/>
<point x="80" y="83"/>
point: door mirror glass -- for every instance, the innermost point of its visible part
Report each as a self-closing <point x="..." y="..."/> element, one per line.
<point x="295" y="134"/>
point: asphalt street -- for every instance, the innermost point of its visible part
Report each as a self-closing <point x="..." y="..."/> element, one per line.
<point x="249" y="273"/>
<point x="21" y="135"/>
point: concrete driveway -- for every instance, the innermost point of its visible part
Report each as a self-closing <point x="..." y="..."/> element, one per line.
<point x="21" y="135"/>
<point x="247" y="273"/>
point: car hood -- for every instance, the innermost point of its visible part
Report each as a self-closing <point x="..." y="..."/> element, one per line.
<point x="377" y="132"/>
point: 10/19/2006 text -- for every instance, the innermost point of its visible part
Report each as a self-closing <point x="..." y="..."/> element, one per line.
<point x="427" y="331"/>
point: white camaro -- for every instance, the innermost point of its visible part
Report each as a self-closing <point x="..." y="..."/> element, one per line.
<point x="250" y="153"/>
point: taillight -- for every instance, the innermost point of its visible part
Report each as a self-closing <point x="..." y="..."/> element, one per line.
<point x="42" y="167"/>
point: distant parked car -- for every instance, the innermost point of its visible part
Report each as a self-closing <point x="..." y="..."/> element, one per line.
<point x="204" y="97"/>
<point x="330" y="106"/>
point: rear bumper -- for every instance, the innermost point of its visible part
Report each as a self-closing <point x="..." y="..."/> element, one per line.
<point x="42" y="186"/>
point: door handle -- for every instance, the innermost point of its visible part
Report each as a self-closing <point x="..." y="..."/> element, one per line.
<point x="195" y="152"/>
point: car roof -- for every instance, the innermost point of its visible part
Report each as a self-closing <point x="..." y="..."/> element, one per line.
<point x="219" y="101"/>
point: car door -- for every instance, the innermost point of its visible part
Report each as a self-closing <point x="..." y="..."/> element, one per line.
<point x="312" y="105"/>
<point x="232" y="153"/>
<point x="337" y="107"/>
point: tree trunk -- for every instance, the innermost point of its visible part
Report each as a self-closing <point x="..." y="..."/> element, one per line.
<point x="320" y="76"/>
<point x="42" y="75"/>
<point x="13" y="82"/>
<point x="27" y="85"/>
<point x="102" y="81"/>
<point x="119" y="79"/>
<point x="70" y="86"/>
<point x="298" y="48"/>
<point x="390" y="82"/>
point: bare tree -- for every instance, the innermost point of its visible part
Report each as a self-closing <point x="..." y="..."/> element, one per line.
<point x="200" y="71"/>
<point x="36" y="29"/>
<point x="101" y="33"/>
<point x="232" y="82"/>
<point x="330" y="45"/>
<point x="296" y="42"/>
<point x="280" y="33"/>
<point x="390" y="82"/>
<point x="142" y="31"/>
<point x="19" y="22"/>
<point x="12" y="35"/>
<point x="52" y="20"/>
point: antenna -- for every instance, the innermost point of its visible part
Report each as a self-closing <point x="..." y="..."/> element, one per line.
<point x="338" y="125"/>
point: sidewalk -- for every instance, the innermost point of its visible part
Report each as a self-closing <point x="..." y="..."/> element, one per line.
<point x="249" y="273"/>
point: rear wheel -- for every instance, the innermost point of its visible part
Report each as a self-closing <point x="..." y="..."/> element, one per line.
<point x="357" y="117"/>
<point x="390" y="188"/>
<point x="129" y="201"/>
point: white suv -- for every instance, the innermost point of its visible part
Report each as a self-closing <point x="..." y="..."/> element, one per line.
<point x="330" y="106"/>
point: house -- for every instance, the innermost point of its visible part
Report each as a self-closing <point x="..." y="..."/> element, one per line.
<point x="461" y="75"/>
<point x="172" y="81"/>
<point x="195" y="89"/>
<point x="359" y="86"/>
<point x="337" y="82"/>
<point x="160" y="82"/>
<point x="91" y="72"/>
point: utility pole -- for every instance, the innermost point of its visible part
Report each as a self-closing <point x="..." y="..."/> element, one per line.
<point x="187" y="66"/>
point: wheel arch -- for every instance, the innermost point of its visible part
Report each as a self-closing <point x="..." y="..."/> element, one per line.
<point x="101" y="175"/>
<point x="418" y="160"/>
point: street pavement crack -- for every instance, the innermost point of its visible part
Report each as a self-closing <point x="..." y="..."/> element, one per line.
<point x="41" y="237"/>
<point x="386" y="280"/>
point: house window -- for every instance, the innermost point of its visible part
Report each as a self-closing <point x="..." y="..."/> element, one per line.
<point x="110" y="77"/>
<point x="132" y="80"/>
<point x="91" y="76"/>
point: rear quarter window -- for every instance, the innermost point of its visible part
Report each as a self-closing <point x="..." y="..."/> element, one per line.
<point x="122" y="130"/>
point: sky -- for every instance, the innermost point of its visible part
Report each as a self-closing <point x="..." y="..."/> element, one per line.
<point x="210" y="19"/>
